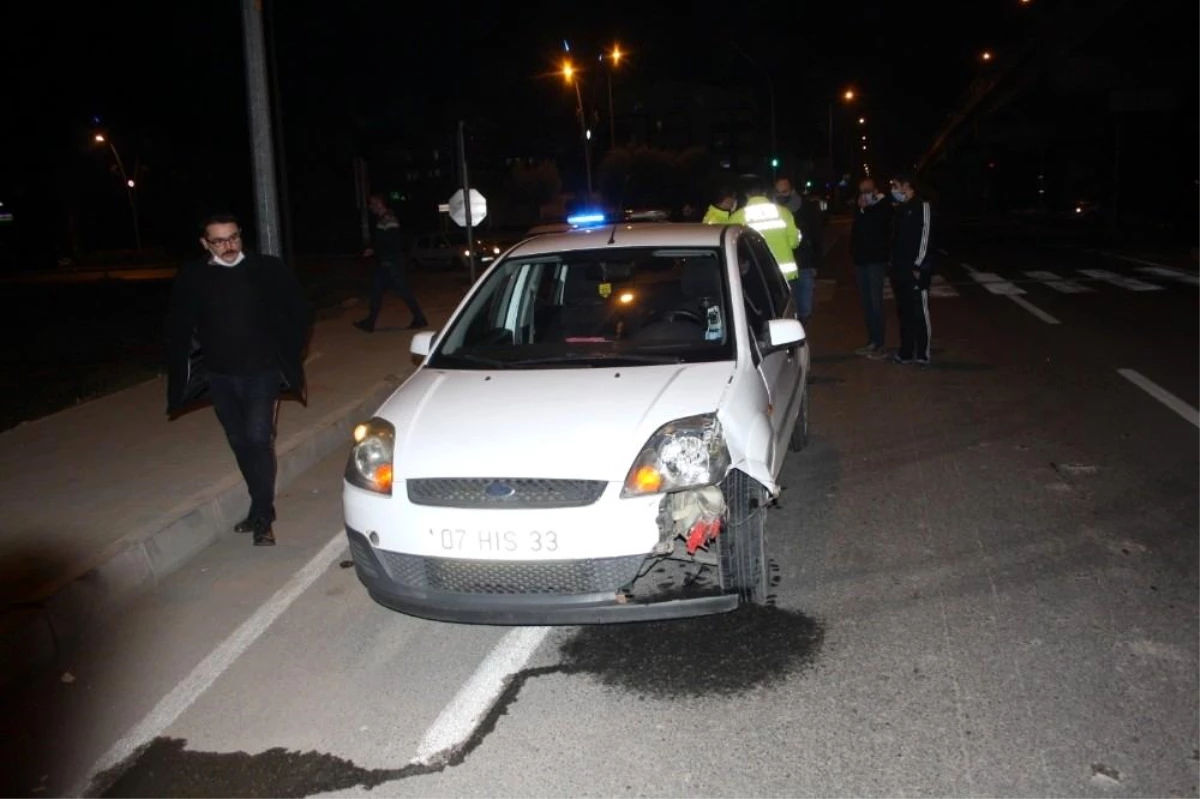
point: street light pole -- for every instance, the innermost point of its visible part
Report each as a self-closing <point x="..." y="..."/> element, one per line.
<point x="130" y="188"/>
<point x="266" y="205"/>
<point x="569" y="74"/>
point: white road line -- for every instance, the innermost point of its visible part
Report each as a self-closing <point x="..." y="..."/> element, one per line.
<point x="1129" y="283"/>
<point x="1057" y="282"/>
<point x="1162" y="395"/>
<point x="1033" y="309"/>
<point x="1170" y="274"/>
<point x="459" y="719"/>
<point x="970" y="269"/>
<point x="940" y="288"/>
<point x="996" y="284"/>
<point x="201" y="678"/>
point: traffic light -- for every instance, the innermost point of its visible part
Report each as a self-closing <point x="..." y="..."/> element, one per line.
<point x="774" y="162"/>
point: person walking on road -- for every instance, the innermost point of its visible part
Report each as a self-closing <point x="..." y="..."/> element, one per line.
<point x="870" y="239"/>
<point x="391" y="269"/>
<point x="912" y="270"/>
<point x="719" y="212"/>
<point x="237" y="327"/>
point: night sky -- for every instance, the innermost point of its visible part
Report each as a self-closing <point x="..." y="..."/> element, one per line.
<point x="166" y="79"/>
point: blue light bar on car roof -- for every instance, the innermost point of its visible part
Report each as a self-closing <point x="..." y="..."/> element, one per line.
<point x="586" y="219"/>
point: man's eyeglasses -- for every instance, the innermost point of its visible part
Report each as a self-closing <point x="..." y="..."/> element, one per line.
<point x="234" y="239"/>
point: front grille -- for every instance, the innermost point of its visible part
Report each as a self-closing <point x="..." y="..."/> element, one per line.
<point x="498" y="492"/>
<point x="601" y="575"/>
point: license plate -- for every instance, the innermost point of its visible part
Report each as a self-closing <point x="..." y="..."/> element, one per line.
<point x="494" y="541"/>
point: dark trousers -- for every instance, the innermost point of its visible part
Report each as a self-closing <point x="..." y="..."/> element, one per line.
<point x="394" y="274"/>
<point x="912" y="306"/>
<point x="870" y="291"/>
<point x="245" y="406"/>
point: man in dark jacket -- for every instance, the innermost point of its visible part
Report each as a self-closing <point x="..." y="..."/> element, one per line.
<point x="237" y="326"/>
<point x="391" y="269"/>
<point x="870" y="240"/>
<point x="912" y="270"/>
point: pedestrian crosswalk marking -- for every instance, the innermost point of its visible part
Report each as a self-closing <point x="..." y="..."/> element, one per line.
<point x="1130" y="283"/>
<point x="996" y="284"/>
<point x="1057" y="283"/>
<point x="1171" y="274"/>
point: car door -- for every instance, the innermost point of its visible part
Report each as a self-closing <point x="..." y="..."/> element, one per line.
<point x="778" y="369"/>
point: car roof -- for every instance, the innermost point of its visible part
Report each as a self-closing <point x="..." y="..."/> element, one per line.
<point x="626" y="234"/>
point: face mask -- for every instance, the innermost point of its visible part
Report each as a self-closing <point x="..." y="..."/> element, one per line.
<point x="898" y="195"/>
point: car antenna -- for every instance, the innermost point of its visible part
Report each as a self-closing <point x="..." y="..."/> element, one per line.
<point x="612" y="238"/>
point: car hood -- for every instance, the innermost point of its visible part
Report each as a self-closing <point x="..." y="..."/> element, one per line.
<point x="585" y="423"/>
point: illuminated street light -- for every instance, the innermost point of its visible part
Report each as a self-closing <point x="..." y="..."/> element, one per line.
<point x="862" y="120"/>
<point x="849" y="95"/>
<point x="987" y="55"/>
<point x="568" y="71"/>
<point x="100" y="138"/>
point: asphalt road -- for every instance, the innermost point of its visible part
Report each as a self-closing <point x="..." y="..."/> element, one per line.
<point x="987" y="584"/>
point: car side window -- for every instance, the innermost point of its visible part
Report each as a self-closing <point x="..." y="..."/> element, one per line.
<point x="754" y="289"/>
<point x="777" y="285"/>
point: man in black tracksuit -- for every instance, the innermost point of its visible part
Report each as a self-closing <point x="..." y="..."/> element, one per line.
<point x="912" y="270"/>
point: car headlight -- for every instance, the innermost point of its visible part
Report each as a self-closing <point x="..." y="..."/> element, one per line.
<point x="370" y="463"/>
<point x="685" y="453"/>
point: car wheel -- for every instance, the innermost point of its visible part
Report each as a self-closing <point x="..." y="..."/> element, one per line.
<point x="799" y="439"/>
<point x="743" y="542"/>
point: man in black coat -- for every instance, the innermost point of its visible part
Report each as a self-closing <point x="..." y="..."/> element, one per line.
<point x="237" y="327"/>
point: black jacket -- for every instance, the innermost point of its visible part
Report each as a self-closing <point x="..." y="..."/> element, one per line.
<point x="871" y="234"/>
<point x="911" y="244"/>
<point x="280" y="299"/>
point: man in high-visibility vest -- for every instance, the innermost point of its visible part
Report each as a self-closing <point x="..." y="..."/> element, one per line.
<point x="777" y="226"/>
<point x="719" y="212"/>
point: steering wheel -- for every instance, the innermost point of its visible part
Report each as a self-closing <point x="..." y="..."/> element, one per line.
<point x="682" y="313"/>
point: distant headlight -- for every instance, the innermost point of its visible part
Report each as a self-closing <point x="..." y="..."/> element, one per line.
<point x="370" y="463"/>
<point x="685" y="453"/>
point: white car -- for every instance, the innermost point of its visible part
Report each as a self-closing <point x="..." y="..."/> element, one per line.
<point x="595" y="436"/>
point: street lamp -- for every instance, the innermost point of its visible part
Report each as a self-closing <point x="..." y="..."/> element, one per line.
<point x="986" y="55"/>
<point x="614" y="58"/>
<point x="847" y="96"/>
<point x="568" y="72"/>
<point x="129" y="188"/>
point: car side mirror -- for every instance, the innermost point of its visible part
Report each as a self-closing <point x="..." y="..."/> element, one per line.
<point x="421" y="343"/>
<point x="783" y="334"/>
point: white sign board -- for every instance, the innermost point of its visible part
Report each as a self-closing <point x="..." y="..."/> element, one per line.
<point x="458" y="208"/>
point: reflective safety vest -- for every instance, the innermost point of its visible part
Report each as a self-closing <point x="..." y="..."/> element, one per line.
<point x="716" y="216"/>
<point x="777" y="226"/>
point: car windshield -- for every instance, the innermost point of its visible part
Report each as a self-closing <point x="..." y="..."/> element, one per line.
<point x="615" y="306"/>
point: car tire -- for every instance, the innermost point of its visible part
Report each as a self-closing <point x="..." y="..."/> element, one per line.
<point x="799" y="439"/>
<point x="743" y="542"/>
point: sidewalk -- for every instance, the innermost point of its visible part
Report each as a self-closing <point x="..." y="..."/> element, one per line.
<point x="105" y="499"/>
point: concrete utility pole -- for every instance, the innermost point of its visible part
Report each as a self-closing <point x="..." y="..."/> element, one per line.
<point x="266" y="201"/>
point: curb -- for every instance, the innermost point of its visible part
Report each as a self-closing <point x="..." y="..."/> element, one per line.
<point x="33" y="635"/>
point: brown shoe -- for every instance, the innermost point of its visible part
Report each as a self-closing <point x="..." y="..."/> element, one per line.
<point x="263" y="535"/>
